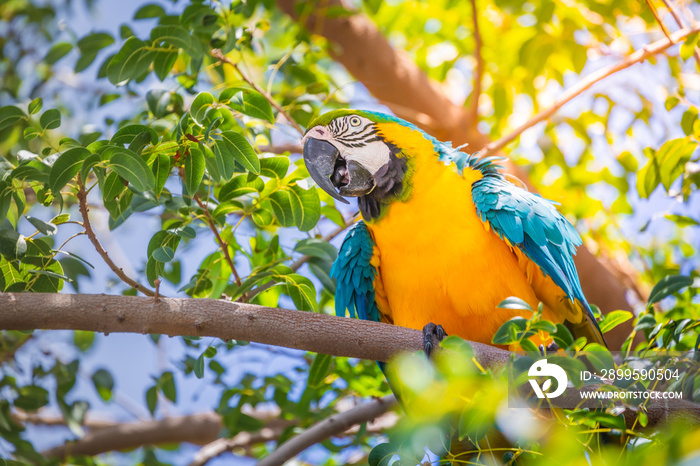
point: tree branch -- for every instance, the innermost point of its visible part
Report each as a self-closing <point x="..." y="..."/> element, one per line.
<point x="319" y="333"/>
<point x="677" y="16"/>
<point x="658" y="20"/>
<point x="583" y="85"/>
<point x="219" y="55"/>
<point x="334" y="425"/>
<point x="197" y="428"/>
<point x="478" y="74"/>
<point x="83" y="207"/>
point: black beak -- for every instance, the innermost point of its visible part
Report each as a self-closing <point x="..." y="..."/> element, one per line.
<point x="331" y="171"/>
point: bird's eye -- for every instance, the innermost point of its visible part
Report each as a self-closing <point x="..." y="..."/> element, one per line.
<point x="355" y="121"/>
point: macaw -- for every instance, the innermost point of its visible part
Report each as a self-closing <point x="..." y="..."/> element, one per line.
<point x="445" y="237"/>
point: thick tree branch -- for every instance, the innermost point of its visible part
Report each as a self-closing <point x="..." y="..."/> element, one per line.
<point x="583" y="85"/>
<point x="390" y="75"/>
<point x="219" y="55"/>
<point x="320" y="333"/>
<point x="334" y="425"/>
<point x="83" y="206"/>
<point x="197" y="428"/>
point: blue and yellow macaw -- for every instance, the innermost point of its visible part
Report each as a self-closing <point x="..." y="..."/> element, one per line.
<point x="445" y="236"/>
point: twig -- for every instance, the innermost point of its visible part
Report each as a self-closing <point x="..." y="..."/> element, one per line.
<point x="82" y="204"/>
<point x="676" y="15"/>
<point x="296" y="265"/>
<point x="219" y="55"/>
<point x="272" y="431"/>
<point x="242" y="440"/>
<point x="476" y="92"/>
<point x="636" y="57"/>
<point x="329" y="427"/>
<point x="281" y="148"/>
<point x="658" y="19"/>
<point x="222" y="244"/>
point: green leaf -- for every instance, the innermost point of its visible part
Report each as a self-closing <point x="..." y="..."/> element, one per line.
<point x="274" y="167"/>
<point x="194" y="170"/>
<point x="682" y="220"/>
<point x="510" y="332"/>
<point x="48" y="229"/>
<point x="381" y="455"/>
<point x="60" y="218"/>
<point x="90" y="46"/>
<point x="104" y="383"/>
<point x="645" y="321"/>
<point x="688" y="47"/>
<point x="35" y="105"/>
<point x="83" y="339"/>
<point x="127" y="134"/>
<point x="240" y="186"/>
<point x="301" y="290"/>
<point x="514" y="303"/>
<point x="306" y="207"/>
<point x="200" y="106"/>
<point x="152" y="399"/>
<point x="668" y="286"/>
<point x="199" y="366"/>
<point x="184" y="232"/>
<point x="150" y="10"/>
<point x="132" y="168"/>
<point x="132" y="60"/>
<point x="66" y="167"/>
<point x="319" y="370"/>
<point x="248" y="102"/>
<point x="31" y="398"/>
<point x="167" y="386"/>
<point x="235" y="146"/>
<point x="689" y="118"/>
<point x="163" y="254"/>
<point x="317" y="248"/>
<point x="90" y="161"/>
<point x="57" y="51"/>
<point x="161" y="171"/>
<point x="10" y="115"/>
<point x="613" y="319"/>
<point x="175" y="36"/>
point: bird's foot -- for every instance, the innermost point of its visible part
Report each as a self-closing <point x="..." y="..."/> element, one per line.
<point x="429" y="331"/>
<point x="551" y="348"/>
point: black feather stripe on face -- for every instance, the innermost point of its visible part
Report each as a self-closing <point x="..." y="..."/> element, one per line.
<point x="388" y="184"/>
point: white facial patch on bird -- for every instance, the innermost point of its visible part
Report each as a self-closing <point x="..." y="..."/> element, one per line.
<point x="356" y="139"/>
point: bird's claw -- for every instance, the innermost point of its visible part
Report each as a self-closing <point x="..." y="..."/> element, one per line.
<point x="429" y="331"/>
<point x="551" y="348"/>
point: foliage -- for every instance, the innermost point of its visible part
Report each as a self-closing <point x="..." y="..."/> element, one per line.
<point x="204" y="147"/>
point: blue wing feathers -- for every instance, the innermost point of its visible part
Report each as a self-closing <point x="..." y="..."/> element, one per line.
<point x="534" y="225"/>
<point x="355" y="276"/>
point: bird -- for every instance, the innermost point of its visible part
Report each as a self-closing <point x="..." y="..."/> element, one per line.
<point x="445" y="237"/>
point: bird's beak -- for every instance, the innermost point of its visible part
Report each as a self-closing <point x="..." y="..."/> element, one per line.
<point x="330" y="170"/>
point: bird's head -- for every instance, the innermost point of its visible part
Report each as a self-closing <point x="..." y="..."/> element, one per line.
<point x="348" y="154"/>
